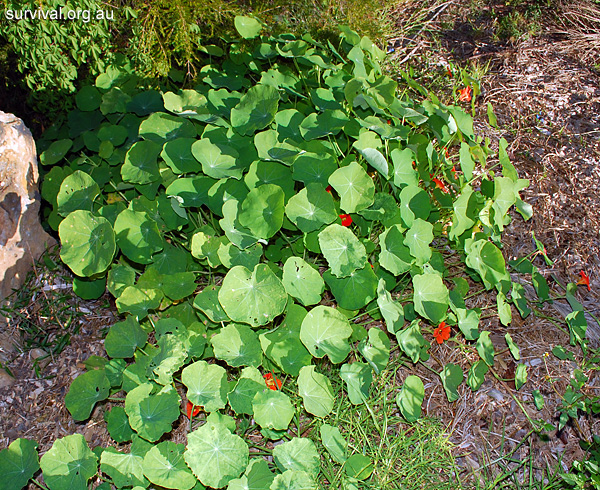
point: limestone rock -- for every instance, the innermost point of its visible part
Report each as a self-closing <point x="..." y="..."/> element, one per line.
<point x="22" y="238"/>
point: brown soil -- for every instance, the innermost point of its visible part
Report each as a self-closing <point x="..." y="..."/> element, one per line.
<point x="546" y="95"/>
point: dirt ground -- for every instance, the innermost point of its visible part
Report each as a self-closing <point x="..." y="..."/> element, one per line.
<point x="546" y="95"/>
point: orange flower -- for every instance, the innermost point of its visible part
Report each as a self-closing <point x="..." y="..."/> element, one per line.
<point x="464" y="95"/>
<point x="585" y="280"/>
<point x="346" y="219"/>
<point x="439" y="184"/>
<point x="329" y="189"/>
<point x="441" y="333"/>
<point x="192" y="411"/>
<point x="270" y="381"/>
<point x="449" y="71"/>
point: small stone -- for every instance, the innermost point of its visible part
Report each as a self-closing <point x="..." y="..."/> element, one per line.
<point x="42" y="357"/>
<point x="6" y="379"/>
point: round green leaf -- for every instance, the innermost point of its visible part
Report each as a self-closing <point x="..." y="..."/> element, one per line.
<point x="88" y="99"/>
<point x="56" y="152"/>
<point x="145" y="103"/>
<point x="476" y="375"/>
<point x="89" y="289"/>
<point x="359" y="467"/>
<point x="240" y="399"/>
<point x="237" y="345"/>
<point x="161" y="126"/>
<point x="452" y="376"/>
<point x="124" y="337"/>
<point x="218" y="160"/>
<point x="410" y="398"/>
<point x="255" y="297"/>
<point x="272" y="409"/>
<point x="391" y="310"/>
<point x="186" y="103"/>
<point x="418" y="238"/>
<point x="325" y="331"/>
<point x="262" y="210"/>
<point x="312" y="168"/>
<point x="342" y="250"/>
<point x="137" y="302"/>
<point x="117" y="424"/>
<point x="151" y="415"/>
<point x="354" y="291"/>
<point x="354" y="186"/>
<point x="215" y="455"/>
<point x="69" y="464"/>
<point x="334" y="442"/>
<point x="169" y="359"/>
<point x="311" y="208"/>
<point x="207" y="385"/>
<point x="248" y="27"/>
<point x="329" y="122"/>
<point x="164" y="466"/>
<point x="239" y="235"/>
<point x="18" y="463"/>
<point x="257" y="476"/>
<point x="394" y="255"/>
<point x="88" y="243"/>
<point x="302" y="281"/>
<point x="87" y="389"/>
<point x="487" y="260"/>
<point x="113" y="134"/>
<point x="178" y="155"/>
<point x="138" y="236"/>
<point x="256" y="109"/>
<point x="125" y="469"/>
<point x="431" y="297"/>
<point x="293" y="480"/>
<point x="230" y="255"/>
<point x="316" y="392"/>
<point x="485" y="348"/>
<point x="376" y="349"/>
<point x="207" y="302"/>
<point x="77" y="191"/>
<point x="300" y="453"/>
<point x="358" y="378"/>
<point x="191" y="192"/>
<point x="414" y="203"/>
<point x="141" y="163"/>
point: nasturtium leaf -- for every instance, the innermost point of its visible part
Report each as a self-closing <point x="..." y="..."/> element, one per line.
<point x="88" y="98"/>
<point x="138" y="237"/>
<point x="504" y="311"/>
<point x="316" y="392"/>
<point x="342" y="250"/>
<point x="391" y="310"/>
<point x="77" y="191"/>
<point x="117" y="424"/>
<point x="171" y="356"/>
<point x="256" y="109"/>
<point x="395" y="256"/>
<point x="404" y="173"/>
<point x="488" y="261"/>
<point x="125" y="469"/>
<point x="164" y="466"/>
<point x="223" y="191"/>
<point x="418" y="238"/>
<point x="293" y="480"/>
<point x="240" y="399"/>
<point x="247" y="27"/>
<point x="358" y="378"/>
<point x="476" y="375"/>
<point x="311" y="208"/>
<point x="414" y="203"/>
<point x="452" y="376"/>
<point x="514" y="349"/>
<point x="329" y="122"/>
<point x="464" y="216"/>
<point x="411" y="341"/>
<point x="145" y="103"/>
<point x="207" y="247"/>
<point x="18" y="463"/>
<point x="261" y="173"/>
<point x="179" y="285"/>
<point x="257" y="476"/>
<point x="186" y="103"/>
<point x="538" y="399"/>
<point x="206" y="385"/>
<point x="410" y="398"/>
<point x="354" y="291"/>
<point x="89" y="288"/>
<point x="520" y="376"/>
<point x="302" y="281"/>
<point x="85" y="391"/>
<point x="354" y="186"/>
<point x="334" y="442"/>
<point x="68" y="464"/>
<point x="218" y="160"/>
<point x="178" y="155"/>
<point x="56" y="152"/>
<point x="431" y="297"/>
<point x="255" y="297"/>
<point x="313" y="168"/>
<point x="325" y="331"/>
<point x="207" y="302"/>
<point x="272" y="409"/>
<point x="160" y="127"/>
<point x="239" y="235"/>
<point x="88" y="243"/>
<point x="230" y="255"/>
<point x="541" y="286"/>
<point x="485" y="348"/>
<point x="151" y="414"/>
<point x="114" y="101"/>
<point x="124" y="337"/>
<point x="215" y="455"/>
<point x="519" y="299"/>
<point x="138" y="302"/>
<point x="468" y="322"/>
<point x="262" y="211"/>
<point x="191" y="192"/>
<point x="358" y="466"/>
<point x="577" y="326"/>
<point x="141" y="163"/>
<point x="299" y="453"/>
<point x="237" y="345"/>
<point x="376" y="349"/>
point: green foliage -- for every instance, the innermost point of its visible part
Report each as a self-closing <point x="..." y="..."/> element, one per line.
<point x="199" y="218"/>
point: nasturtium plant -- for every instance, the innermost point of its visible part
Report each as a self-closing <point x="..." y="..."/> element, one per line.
<point x="248" y="227"/>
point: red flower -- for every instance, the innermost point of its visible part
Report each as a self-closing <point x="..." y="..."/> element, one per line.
<point x="346" y="219"/>
<point x="441" y="333"/>
<point x="585" y="280"/>
<point x="439" y="184"/>
<point x="446" y="153"/>
<point x="448" y="71"/>
<point x="192" y="411"/>
<point x="270" y="382"/>
<point x="329" y="189"/>
<point x="389" y="121"/>
<point x="464" y="95"/>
